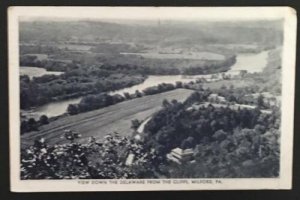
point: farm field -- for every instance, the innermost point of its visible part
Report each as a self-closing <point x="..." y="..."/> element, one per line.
<point x="98" y="123"/>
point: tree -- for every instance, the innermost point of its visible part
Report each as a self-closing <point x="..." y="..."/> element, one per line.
<point x="178" y="84"/>
<point x="127" y="95"/>
<point x="220" y="135"/>
<point x="118" y="98"/>
<point x="260" y="101"/>
<point x="44" y="119"/>
<point x="174" y="102"/>
<point x="195" y="97"/>
<point x="32" y="124"/>
<point x="166" y="103"/>
<point x="188" y="143"/>
<point x="138" y="93"/>
<point x="231" y="98"/>
<point x="24" y="127"/>
<point x="135" y="124"/>
<point x="72" y="109"/>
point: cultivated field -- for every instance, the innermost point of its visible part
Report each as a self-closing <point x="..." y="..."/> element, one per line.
<point x="192" y="56"/>
<point x="98" y="123"/>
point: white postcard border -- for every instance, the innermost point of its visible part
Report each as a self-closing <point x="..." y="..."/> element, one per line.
<point x="288" y="87"/>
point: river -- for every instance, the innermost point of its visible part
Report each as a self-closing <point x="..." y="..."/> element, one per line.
<point x="50" y="109"/>
<point x="36" y="71"/>
<point x="250" y="62"/>
<point x="155" y="80"/>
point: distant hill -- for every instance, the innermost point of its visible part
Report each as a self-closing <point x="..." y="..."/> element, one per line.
<point x="158" y="33"/>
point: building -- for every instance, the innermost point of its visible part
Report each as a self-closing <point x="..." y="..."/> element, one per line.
<point x="268" y="98"/>
<point x="180" y="156"/>
<point x="216" y="98"/>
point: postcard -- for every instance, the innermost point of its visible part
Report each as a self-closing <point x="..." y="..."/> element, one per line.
<point x="151" y="98"/>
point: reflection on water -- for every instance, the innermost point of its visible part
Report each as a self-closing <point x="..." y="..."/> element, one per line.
<point x="250" y="62"/>
<point x="153" y="81"/>
<point x="36" y="72"/>
<point x="51" y="109"/>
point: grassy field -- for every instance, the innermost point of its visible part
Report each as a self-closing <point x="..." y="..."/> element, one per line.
<point x="237" y="83"/>
<point x="98" y="123"/>
<point x="192" y="56"/>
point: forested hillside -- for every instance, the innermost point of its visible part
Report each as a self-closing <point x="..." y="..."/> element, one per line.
<point x="227" y="142"/>
<point x="161" y="33"/>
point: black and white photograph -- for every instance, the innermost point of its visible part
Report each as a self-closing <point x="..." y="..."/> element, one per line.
<point x="150" y="98"/>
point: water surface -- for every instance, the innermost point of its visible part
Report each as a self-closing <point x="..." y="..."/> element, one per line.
<point x="250" y="62"/>
<point x="36" y="72"/>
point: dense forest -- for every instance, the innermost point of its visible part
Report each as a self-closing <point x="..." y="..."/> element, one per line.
<point x="73" y="83"/>
<point x="65" y="61"/>
<point x="227" y="143"/>
<point x="94" y="159"/>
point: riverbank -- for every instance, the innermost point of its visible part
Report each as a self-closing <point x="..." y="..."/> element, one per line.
<point x="242" y="64"/>
<point x="36" y="72"/>
<point x="97" y="123"/>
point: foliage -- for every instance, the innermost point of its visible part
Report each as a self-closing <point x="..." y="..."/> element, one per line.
<point x="91" y="160"/>
<point x="212" y="67"/>
<point x="44" y="120"/>
<point x="92" y="102"/>
<point x="135" y="124"/>
<point x="73" y="83"/>
<point x="163" y="87"/>
<point x="228" y="142"/>
<point x="33" y="125"/>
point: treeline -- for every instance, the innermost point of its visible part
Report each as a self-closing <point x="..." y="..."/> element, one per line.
<point x="92" y="102"/>
<point x="134" y="64"/>
<point x="97" y="101"/>
<point x="143" y="69"/>
<point x="48" y="64"/>
<point x="74" y="83"/>
<point x="174" y="66"/>
<point x="32" y="125"/>
<point x="211" y="67"/>
<point x="110" y="57"/>
<point x="228" y="142"/>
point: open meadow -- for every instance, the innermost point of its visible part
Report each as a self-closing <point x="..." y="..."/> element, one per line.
<point x="98" y="123"/>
